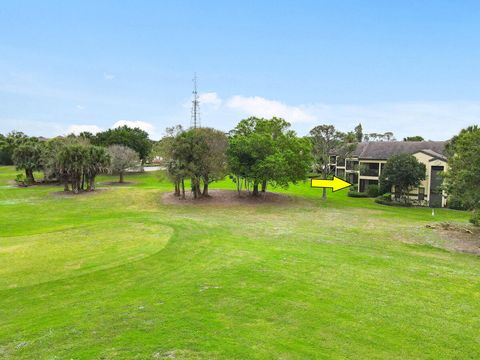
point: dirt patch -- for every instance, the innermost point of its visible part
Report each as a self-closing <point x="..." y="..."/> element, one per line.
<point x="228" y="197"/>
<point x="459" y="238"/>
<point x="116" y="183"/>
<point x="13" y="183"/>
<point x="81" y="193"/>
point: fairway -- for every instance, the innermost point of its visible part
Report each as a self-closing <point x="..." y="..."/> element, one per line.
<point x="119" y="274"/>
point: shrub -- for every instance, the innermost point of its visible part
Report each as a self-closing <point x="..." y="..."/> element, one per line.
<point x="475" y="219"/>
<point x="455" y="203"/>
<point x="373" y="190"/>
<point x="357" y="194"/>
<point x="386" y="199"/>
<point x="386" y="196"/>
<point x="21" y="180"/>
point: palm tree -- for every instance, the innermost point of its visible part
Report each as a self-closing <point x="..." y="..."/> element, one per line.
<point x="98" y="161"/>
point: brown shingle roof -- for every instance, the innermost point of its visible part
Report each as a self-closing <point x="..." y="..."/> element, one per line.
<point x="382" y="150"/>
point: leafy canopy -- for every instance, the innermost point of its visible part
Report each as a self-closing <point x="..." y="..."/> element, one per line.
<point x="463" y="176"/>
<point x="404" y="172"/>
<point x="266" y="150"/>
<point x="134" y="138"/>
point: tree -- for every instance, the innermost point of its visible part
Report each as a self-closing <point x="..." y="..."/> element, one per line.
<point x="196" y="153"/>
<point x="72" y="160"/>
<point x="187" y="150"/>
<point x="266" y="151"/>
<point x="413" y="138"/>
<point x="213" y="161"/>
<point x="27" y="156"/>
<point x="163" y="147"/>
<point x="136" y="139"/>
<point x="463" y="175"/>
<point x="52" y="168"/>
<point x="404" y="172"/>
<point x="358" y="132"/>
<point x="122" y="158"/>
<point x="5" y="159"/>
<point x="98" y="161"/>
<point x="8" y="144"/>
<point x="326" y="140"/>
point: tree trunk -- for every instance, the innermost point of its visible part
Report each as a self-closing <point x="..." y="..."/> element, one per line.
<point x="29" y="175"/>
<point x="239" y="185"/>
<point x="194" y="187"/>
<point x="83" y="182"/>
<point x="324" y="195"/>
<point x="264" y="186"/>
<point x="183" y="189"/>
<point x="91" y="183"/>
<point x="75" y="184"/>
<point x="177" y="188"/>
<point x="66" y="186"/>
<point x="197" y="187"/>
<point x="121" y="176"/>
<point x="255" y="189"/>
<point x="205" y="186"/>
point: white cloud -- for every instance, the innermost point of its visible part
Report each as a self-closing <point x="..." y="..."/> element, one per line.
<point x="210" y="98"/>
<point x="77" y="129"/>
<point x="108" y="76"/>
<point x="80" y="107"/>
<point x="261" y="107"/>
<point x="149" y="128"/>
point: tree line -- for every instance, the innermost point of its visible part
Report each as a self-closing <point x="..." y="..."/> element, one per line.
<point x="256" y="154"/>
<point x="75" y="161"/>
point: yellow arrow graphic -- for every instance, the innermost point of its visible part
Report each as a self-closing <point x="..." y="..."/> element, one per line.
<point x="335" y="184"/>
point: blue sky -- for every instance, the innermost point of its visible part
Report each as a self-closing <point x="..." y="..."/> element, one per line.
<point x="411" y="67"/>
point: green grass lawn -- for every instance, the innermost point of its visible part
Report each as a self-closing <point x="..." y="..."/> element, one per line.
<point x="120" y="275"/>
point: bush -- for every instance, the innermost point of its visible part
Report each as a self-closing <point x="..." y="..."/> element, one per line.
<point x="475" y="219"/>
<point x="357" y="194"/>
<point x="455" y="203"/>
<point x="386" y="196"/>
<point x="22" y="180"/>
<point x="386" y="199"/>
<point x="373" y="190"/>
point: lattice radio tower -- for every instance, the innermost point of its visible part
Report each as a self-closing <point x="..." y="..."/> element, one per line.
<point x="195" y="121"/>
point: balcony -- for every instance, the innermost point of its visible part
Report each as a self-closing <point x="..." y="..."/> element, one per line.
<point x="369" y="172"/>
<point x="352" y="165"/>
<point x="370" y="169"/>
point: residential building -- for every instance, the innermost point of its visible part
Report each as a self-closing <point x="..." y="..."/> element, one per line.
<point x="364" y="167"/>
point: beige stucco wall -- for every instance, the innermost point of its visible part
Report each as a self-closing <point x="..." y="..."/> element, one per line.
<point x="425" y="159"/>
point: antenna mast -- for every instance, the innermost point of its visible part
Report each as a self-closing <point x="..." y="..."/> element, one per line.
<point x="195" y="121"/>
